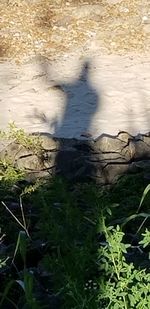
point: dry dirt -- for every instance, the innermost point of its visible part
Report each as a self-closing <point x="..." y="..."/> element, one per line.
<point x="31" y="27"/>
<point x="44" y="85"/>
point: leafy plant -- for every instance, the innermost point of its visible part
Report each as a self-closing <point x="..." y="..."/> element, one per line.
<point x="28" y="141"/>
<point x="9" y="175"/>
<point x="63" y="232"/>
<point x="27" y="284"/>
<point x="120" y="284"/>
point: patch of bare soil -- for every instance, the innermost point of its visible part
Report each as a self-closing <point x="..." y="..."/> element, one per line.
<point x="46" y="28"/>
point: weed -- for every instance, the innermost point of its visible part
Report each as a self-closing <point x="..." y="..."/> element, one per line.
<point x="72" y="245"/>
<point x="9" y="175"/>
<point x="121" y="285"/>
<point x="28" y="141"/>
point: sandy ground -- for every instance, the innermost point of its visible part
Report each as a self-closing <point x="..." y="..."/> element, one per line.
<point x="93" y="72"/>
<point x="80" y="94"/>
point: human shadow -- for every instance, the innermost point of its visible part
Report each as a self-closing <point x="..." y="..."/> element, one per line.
<point x="81" y="105"/>
<point x="74" y="130"/>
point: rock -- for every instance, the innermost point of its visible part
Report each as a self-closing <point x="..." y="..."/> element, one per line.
<point x="143" y="164"/>
<point x="30" y="162"/>
<point x="14" y="151"/>
<point x="142" y="150"/>
<point x="49" y="143"/>
<point x="69" y="164"/>
<point x="124" y="136"/>
<point x="113" y="172"/>
<point x="109" y="144"/>
<point x="145" y="139"/>
<point x="103" y="160"/>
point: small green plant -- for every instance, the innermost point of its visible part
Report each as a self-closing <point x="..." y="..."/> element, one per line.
<point x="28" y="287"/>
<point x="26" y="280"/>
<point x="28" y="141"/>
<point x="146" y="239"/>
<point x="9" y="175"/>
<point x="120" y="284"/>
<point x="2" y="260"/>
<point x="58" y="225"/>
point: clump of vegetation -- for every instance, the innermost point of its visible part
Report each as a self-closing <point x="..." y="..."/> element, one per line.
<point x="121" y="285"/>
<point x="8" y="173"/>
<point x="18" y="135"/>
<point x="78" y="246"/>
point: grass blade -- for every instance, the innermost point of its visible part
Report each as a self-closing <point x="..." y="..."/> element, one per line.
<point x="24" y="227"/>
<point x="6" y="290"/>
<point x="147" y="189"/>
<point x="132" y="217"/>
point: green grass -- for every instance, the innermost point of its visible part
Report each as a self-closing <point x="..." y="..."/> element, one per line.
<point x="73" y="245"/>
<point x="63" y="261"/>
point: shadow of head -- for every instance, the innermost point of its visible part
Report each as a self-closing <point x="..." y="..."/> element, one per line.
<point x="85" y="70"/>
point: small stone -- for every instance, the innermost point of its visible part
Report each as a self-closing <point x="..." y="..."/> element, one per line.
<point x="112" y="43"/>
<point x="145" y="19"/>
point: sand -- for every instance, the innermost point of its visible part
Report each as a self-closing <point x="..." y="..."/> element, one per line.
<point x="81" y="94"/>
<point x="93" y="72"/>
